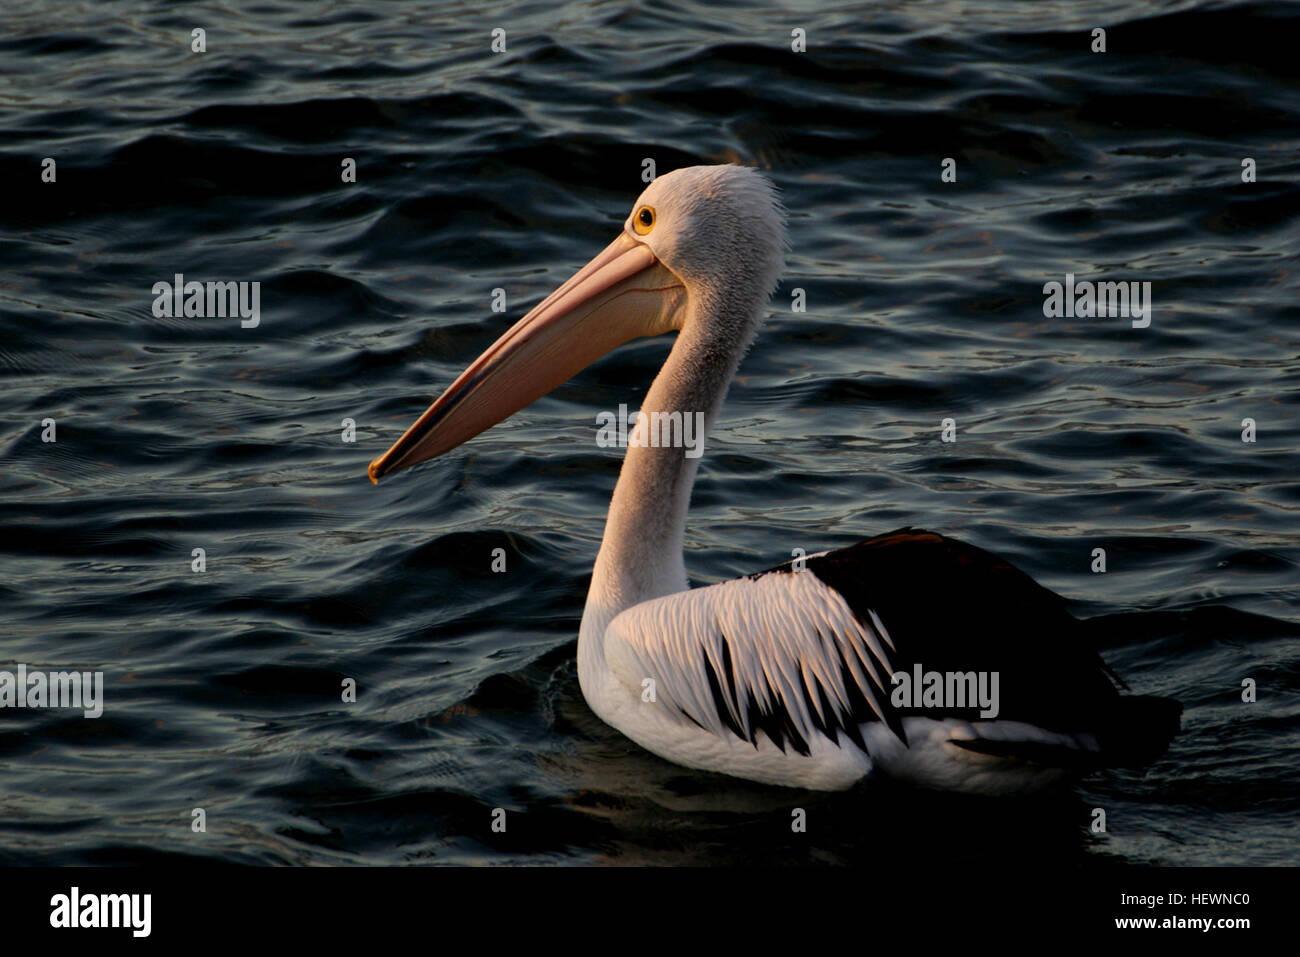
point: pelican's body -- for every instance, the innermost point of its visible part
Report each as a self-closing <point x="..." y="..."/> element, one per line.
<point x="788" y="677"/>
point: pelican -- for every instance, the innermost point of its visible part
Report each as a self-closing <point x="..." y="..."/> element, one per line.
<point x="793" y="676"/>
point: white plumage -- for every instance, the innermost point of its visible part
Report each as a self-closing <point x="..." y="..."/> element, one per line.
<point x="781" y="640"/>
<point x="787" y="646"/>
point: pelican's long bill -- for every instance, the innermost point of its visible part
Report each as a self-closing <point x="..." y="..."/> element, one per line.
<point x="622" y="294"/>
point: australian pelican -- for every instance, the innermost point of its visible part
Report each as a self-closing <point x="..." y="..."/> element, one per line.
<point x="790" y="676"/>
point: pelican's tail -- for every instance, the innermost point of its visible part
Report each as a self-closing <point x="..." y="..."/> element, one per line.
<point x="1131" y="731"/>
<point x="1137" y="729"/>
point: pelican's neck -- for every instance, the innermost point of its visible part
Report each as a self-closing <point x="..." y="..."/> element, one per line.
<point x="641" y="554"/>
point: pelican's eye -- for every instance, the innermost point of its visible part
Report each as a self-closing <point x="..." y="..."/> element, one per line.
<point x="644" y="220"/>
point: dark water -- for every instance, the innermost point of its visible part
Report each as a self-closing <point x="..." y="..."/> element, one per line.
<point x="478" y="171"/>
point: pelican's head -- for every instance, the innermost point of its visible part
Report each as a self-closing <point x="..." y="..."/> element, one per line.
<point x="710" y="235"/>
<point x="713" y="226"/>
